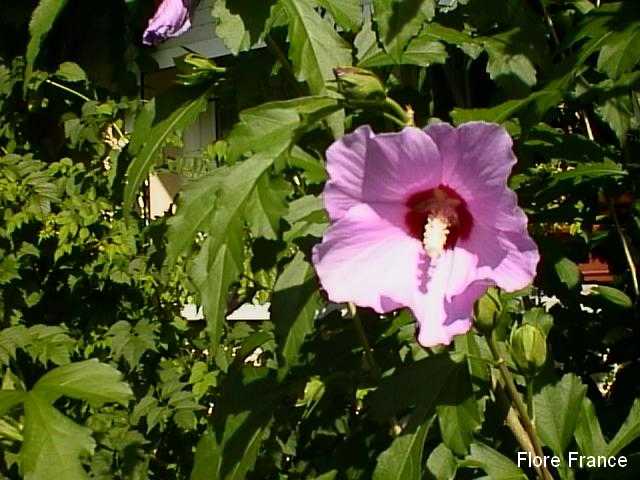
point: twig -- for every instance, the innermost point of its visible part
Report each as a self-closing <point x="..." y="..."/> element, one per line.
<point x="518" y="404"/>
<point x="368" y="351"/>
<point x="625" y="247"/>
<point x="67" y="89"/>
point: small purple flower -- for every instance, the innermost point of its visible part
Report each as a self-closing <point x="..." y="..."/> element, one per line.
<point x="172" y="19"/>
<point x="423" y="219"/>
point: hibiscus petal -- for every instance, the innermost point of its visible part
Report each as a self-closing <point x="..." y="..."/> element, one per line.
<point x="477" y="160"/>
<point x="443" y="306"/>
<point x="400" y="164"/>
<point x="170" y="20"/>
<point x="345" y="165"/>
<point x="387" y="168"/>
<point x="367" y="260"/>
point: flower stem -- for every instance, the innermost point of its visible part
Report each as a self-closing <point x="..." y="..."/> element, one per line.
<point x="399" y="111"/>
<point x="625" y="247"/>
<point x="362" y="336"/>
<point x="67" y="89"/>
<point x="516" y="400"/>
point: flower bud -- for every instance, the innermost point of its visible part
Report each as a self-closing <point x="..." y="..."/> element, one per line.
<point x="487" y="311"/>
<point x="528" y="348"/>
<point x="359" y="85"/>
<point x="194" y="69"/>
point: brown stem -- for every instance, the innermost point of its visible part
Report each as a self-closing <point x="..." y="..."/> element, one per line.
<point x="518" y="404"/>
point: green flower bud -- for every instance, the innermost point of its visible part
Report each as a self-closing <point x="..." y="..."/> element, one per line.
<point x="487" y="311"/>
<point x="528" y="348"/>
<point x="359" y="85"/>
<point x="194" y="69"/>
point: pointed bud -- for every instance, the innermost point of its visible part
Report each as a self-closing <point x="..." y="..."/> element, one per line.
<point x="487" y="310"/>
<point x="528" y="348"/>
<point x="359" y="85"/>
<point x="195" y="69"/>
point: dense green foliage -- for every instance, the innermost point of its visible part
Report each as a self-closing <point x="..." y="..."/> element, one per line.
<point x="103" y="378"/>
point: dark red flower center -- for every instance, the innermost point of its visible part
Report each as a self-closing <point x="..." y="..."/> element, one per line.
<point x="442" y="205"/>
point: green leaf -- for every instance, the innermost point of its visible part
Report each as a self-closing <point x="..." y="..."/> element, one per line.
<point x="220" y="259"/>
<point x="588" y="433"/>
<point x="267" y="206"/>
<point x="9" y="399"/>
<point x="403" y="459"/>
<point x="504" y="61"/>
<point x="618" y="113"/>
<point x="132" y="343"/>
<point x="177" y="108"/>
<point x="613" y="296"/>
<point x="496" y="465"/>
<point x="213" y="271"/>
<point x="42" y="19"/>
<point x="555" y="408"/>
<point x="230" y="452"/>
<point x="207" y="457"/>
<point x="71" y="72"/>
<point x="458" y="414"/>
<point x="568" y="272"/>
<point x="315" y="47"/>
<point x="241" y="25"/>
<point x="629" y="431"/>
<point x="406" y="386"/>
<point x="273" y="127"/>
<point x="421" y="51"/>
<point x="12" y="338"/>
<point x="53" y="444"/>
<point x="293" y="309"/>
<point x="89" y="380"/>
<point x="399" y="21"/>
<point x="346" y="13"/>
<point x="441" y="464"/>
<point x="620" y="54"/>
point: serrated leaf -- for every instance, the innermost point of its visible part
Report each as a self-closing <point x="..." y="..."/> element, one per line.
<point x="230" y="452"/>
<point x="12" y="338"/>
<point x="315" y="47"/>
<point x="176" y="109"/>
<point x="53" y="444"/>
<point x="503" y="60"/>
<point x="220" y="260"/>
<point x="346" y="13"/>
<point x="399" y="21"/>
<point x="89" y="380"/>
<point x="629" y="431"/>
<point x="588" y="433"/>
<point x="293" y="309"/>
<point x="10" y="399"/>
<point x="273" y="127"/>
<point x="241" y="25"/>
<point x="555" y="408"/>
<point x="403" y="459"/>
<point x="132" y="343"/>
<point x="266" y="206"/>
<point x="42" y="20"/>
<point x="496" y="465"/>
<point x="618" y="113"/>
<point x="621" y="54"/>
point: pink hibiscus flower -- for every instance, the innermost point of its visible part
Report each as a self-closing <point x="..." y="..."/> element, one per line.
<point x="172" y="19"/>
<point x="423" y="219"/>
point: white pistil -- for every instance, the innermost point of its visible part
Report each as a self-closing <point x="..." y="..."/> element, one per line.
<point x="435" y="236"/>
